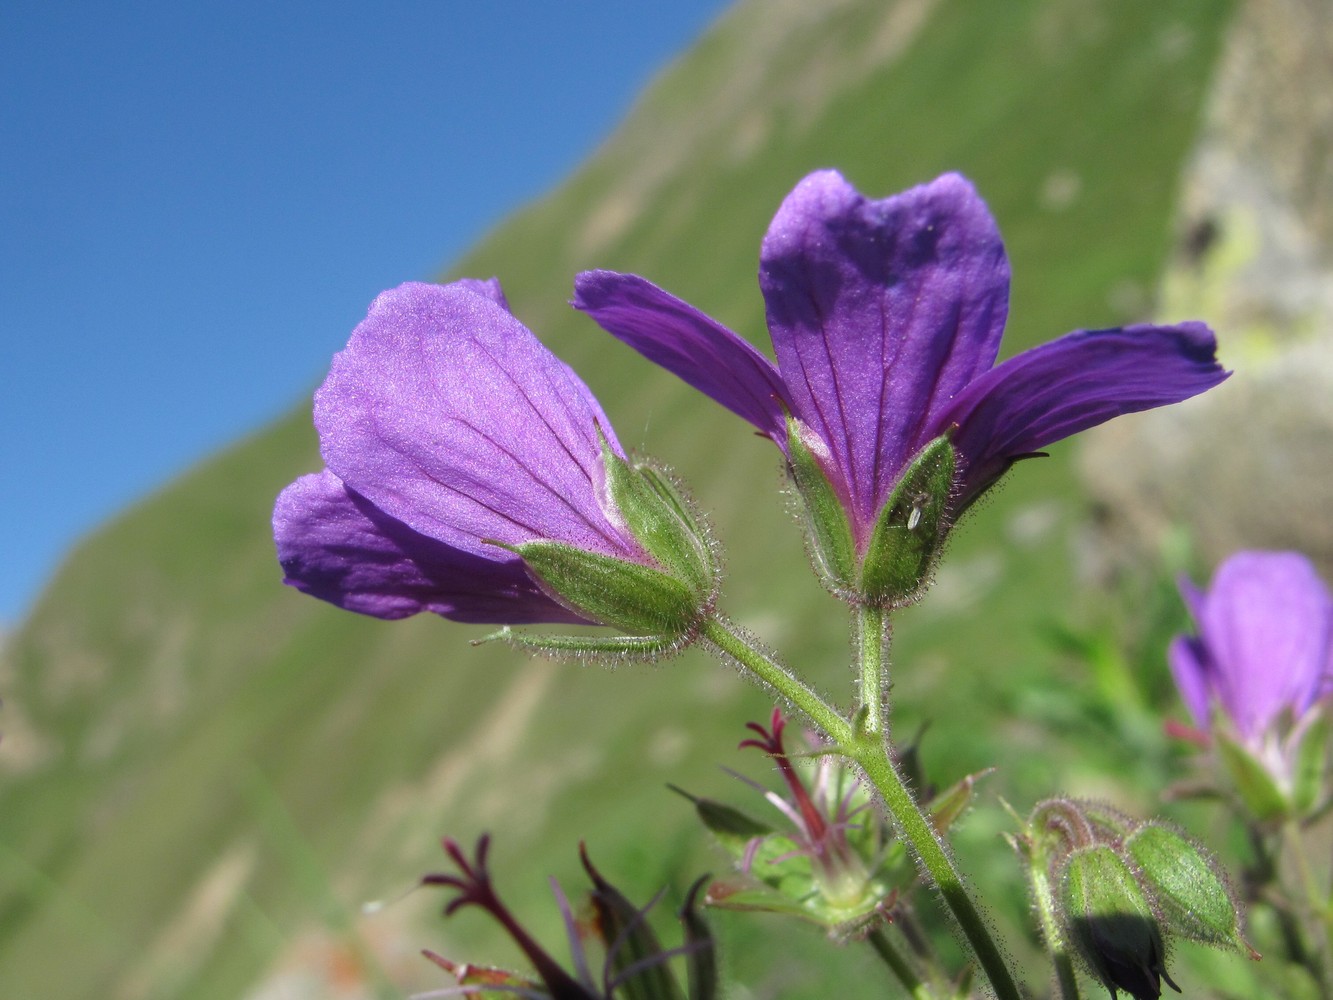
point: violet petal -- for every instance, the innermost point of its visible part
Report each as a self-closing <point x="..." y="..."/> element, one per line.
<point x="880" y="312"/>
<point x="1266" y="621"/>
<point x="336" y="546"/>
<point x="448" y="415"/>
<point x="687" y="343"/>
<point x="1188" y="659"/>
<point x="1068" y="385"/>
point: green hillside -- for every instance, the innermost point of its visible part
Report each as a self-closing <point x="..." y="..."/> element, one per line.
<point x="205" y="774"/>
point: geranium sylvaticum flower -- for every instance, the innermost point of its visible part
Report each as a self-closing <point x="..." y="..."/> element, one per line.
<point x="886" y="318"/>
<point x="472" y="474"/>
<point x="1261" y="664"/>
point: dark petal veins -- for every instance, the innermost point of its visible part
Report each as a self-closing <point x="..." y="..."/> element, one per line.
<point x="337" y="546"/>
<point x="1083" y="379"/>
<point x="880" y="312"/>
<point x="448" y="415"/>
<point x="684" y="341"/>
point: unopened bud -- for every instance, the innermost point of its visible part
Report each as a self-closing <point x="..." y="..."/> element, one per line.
<point x="1189" y="889"/>
<point x="1111" y="923"/>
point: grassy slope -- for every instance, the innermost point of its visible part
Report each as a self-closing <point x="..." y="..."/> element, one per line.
<point x="217" y="770"/>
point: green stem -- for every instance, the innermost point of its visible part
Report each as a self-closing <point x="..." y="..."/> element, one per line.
<point x="1065" y="979"/>
<point x="867" y="745"/>
<point x="873" y="752"/>
<point x="872" y="632"/>
<point x="899" y="965"/>
<point x="1314" y="902"/>
<point x="925" y="842"/>
<point x="726" y="639"/>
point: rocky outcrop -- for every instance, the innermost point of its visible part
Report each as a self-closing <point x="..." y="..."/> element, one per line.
<point x="1250" y="464"/>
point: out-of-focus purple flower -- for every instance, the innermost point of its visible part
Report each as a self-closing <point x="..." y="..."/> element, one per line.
<point x="446" y="428"/>
<point x="886" y="318"/>
<point x="1263" y="656"/>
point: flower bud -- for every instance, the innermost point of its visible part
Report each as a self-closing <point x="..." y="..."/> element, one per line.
<point x="1111" y="923"/>
<point x="1114" y="890"/>
<point x="1190" y="892"/>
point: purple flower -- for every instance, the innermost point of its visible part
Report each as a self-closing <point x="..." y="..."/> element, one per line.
<point x="1264" y="653"/>
<point x="886" y="318"/>
<point x="446" y="428"/>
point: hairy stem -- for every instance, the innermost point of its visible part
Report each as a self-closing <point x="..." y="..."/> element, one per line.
<point x="899" y="965"/>
<point x="867" y="745"/>
<point x="725" y="638"/>
<point x="924" y="841"/>
<point x="1066" y="982"/>
<point x="872" y="632"/>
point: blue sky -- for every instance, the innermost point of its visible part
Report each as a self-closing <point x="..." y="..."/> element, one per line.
<point x="198" y="202"/>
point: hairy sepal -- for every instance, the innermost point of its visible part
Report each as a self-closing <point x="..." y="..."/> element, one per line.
<point x="662" y="522"/>
<point x="828" y="528"/>
<point x="910" y="529"/>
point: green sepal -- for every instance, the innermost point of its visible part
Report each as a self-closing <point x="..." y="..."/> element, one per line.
<point x="946" y="807"/>
<point x="662" y="522"/>
<point x="1254" y="785"/>
<point x="626" y="595"/>
<point x="910" y="529"/>
<point x="829" y="530"/>
<point x="781" y="878"/>
<point x="504" y="984"/>
<point x="1311" y="767"/>
<point x="747" y="895"/>
<point x="1192" y="897"/>
<point x="629" y="647"/>
<point x="1110" y="922"/>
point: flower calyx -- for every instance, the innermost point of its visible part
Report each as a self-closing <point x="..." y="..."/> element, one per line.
<point x="891" y="567"/>
<point x="1122" y="889"/>
<point x="834" y="862"/>
<point x="661" y="600"/>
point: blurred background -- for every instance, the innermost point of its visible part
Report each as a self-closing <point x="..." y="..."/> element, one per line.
<point x="204" y="776"/>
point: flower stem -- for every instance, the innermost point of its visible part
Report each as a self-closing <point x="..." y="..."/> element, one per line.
<point x="1066" y="981"/>
<point x="898" y="964"/>
<point x="1313" y="901"/>
<point x="873" y="752"/>
<point x="925" y="842"/>
<point x="726" y="639"/>
<point x="868" y="747"/>
<point x="872" y="635"/>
